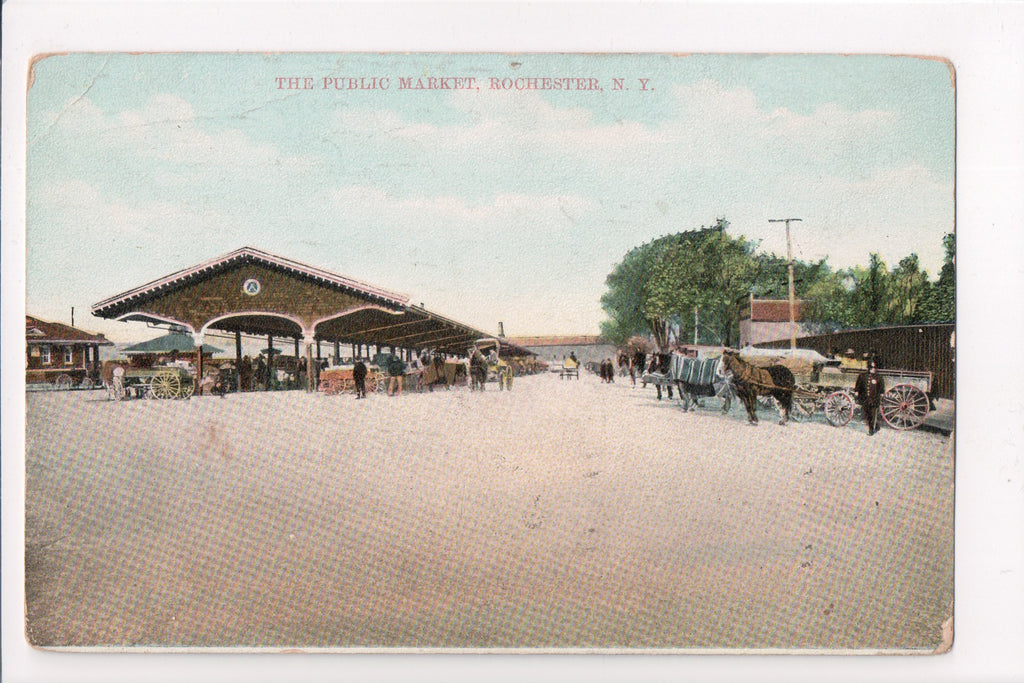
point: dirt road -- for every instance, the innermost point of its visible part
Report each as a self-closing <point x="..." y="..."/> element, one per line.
<point x="562" y="514"/>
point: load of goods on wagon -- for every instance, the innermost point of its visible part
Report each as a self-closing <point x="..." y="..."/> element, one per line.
<point x="338" y="379"/>
<point x="827" y="385"/>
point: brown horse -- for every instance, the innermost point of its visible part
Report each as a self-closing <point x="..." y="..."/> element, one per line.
<point x="750" y="381"/>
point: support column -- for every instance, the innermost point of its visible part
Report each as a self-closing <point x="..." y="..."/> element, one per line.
<point x="310" y="341"/>
<point x="197" y="339"/>
<point x="238" y="362"/>
<point x="298" y="365"/>
<point x="271" y="373"/>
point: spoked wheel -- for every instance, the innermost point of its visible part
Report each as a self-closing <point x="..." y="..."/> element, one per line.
<point x="188" y="387"/>
<point x="804" y="407"/>
<point x="63" y="382"/>
<point x="838" y="408"/>
<point x="904" y="407"/>
<point x="165" y="385"/>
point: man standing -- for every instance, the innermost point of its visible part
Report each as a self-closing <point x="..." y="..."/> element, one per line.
<point x="636" y="365"/>
<point x="359" y="375"/>
<point x="869" y="389"/>
<point x="396" y="372"/>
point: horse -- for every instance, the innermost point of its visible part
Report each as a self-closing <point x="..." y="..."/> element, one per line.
<point x="477" y="370"/>
<point x="658" y="373"/>
<point x="697" y="378"/>
<point x="750" y="381"/>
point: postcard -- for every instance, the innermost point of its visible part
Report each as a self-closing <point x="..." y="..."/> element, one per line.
<point x="490" y="352"/>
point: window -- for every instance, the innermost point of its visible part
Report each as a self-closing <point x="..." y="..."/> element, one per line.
<point x="46" y="355"/>
<point x="69" y="355"/>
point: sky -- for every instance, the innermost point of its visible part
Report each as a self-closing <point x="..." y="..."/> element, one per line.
<point x="484" y="200"/>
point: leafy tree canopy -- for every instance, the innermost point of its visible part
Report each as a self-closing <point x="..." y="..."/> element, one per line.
<point x="699" y="280"/>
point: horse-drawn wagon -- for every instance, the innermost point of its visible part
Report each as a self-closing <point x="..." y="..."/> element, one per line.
<point x="122" y="381"/>
<point x="828" y="386"/>
<point x="487" y="365"/>
<point x="339" y="380"/>
<point x="570" y="368"/>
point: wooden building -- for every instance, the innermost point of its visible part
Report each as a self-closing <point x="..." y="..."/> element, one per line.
<point x="256" y="293"/>
<point x="60" y="355"/>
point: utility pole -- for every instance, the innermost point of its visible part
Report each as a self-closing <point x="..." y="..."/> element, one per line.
<point x="792" y="296"/>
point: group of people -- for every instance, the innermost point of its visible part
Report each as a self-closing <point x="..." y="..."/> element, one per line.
<point x="396" y="371"/>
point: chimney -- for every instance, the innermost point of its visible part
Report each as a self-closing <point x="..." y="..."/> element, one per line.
<point x="501" y="329"/>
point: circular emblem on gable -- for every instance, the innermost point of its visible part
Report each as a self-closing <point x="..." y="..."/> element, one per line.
<point x="251" y="286"/>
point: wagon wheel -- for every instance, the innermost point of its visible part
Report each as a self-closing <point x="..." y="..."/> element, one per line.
<point x="165" y="385"/>
<point x="804" y="406"/>
<point x="63" y="382"/>
<point x="904" y="407"/>
<point x="838" y="408"/>
<point x="87" y="383"/>
<point x="188" y="386"/>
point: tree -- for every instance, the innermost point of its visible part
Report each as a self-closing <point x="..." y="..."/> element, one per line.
<point x="871" y="293"/>
<point x="939" y="304"/>
<point x="909" y="286"/>
<point x="623" y="302"/>
<point x="703" y="270"/>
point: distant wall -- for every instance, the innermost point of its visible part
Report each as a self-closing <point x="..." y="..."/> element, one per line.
<point x="585" y="353"/>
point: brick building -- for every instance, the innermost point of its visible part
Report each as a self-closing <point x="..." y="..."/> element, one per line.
<point x="767" y="320"/>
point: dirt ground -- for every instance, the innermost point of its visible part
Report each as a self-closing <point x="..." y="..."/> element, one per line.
<point x="562" y="514"/>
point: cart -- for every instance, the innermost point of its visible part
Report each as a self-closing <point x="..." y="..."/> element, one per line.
<point x="123" y="382"/>
<point x="338" y="380"/>
<point x="905" y="404"/>
<point x="498" y="369"/>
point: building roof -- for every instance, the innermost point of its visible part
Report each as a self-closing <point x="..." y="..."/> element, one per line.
<point x="388" y="319"/>
<point x="181" y="342"/>
<point x="576" y="340"/>
<point x="108" y="307"/>
<point x="774" y="310"/>
<point x="38" y="331"/>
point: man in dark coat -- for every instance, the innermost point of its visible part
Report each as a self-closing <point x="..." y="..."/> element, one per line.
<point x="636" y="367"/>
<point x="870" y="388"/>
<point x="359" y="375"/>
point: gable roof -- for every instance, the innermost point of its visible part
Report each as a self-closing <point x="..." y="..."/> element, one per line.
<point x="172" y="341"/>
<point x="249" y="255"/>
<point x="38" y="331"/>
